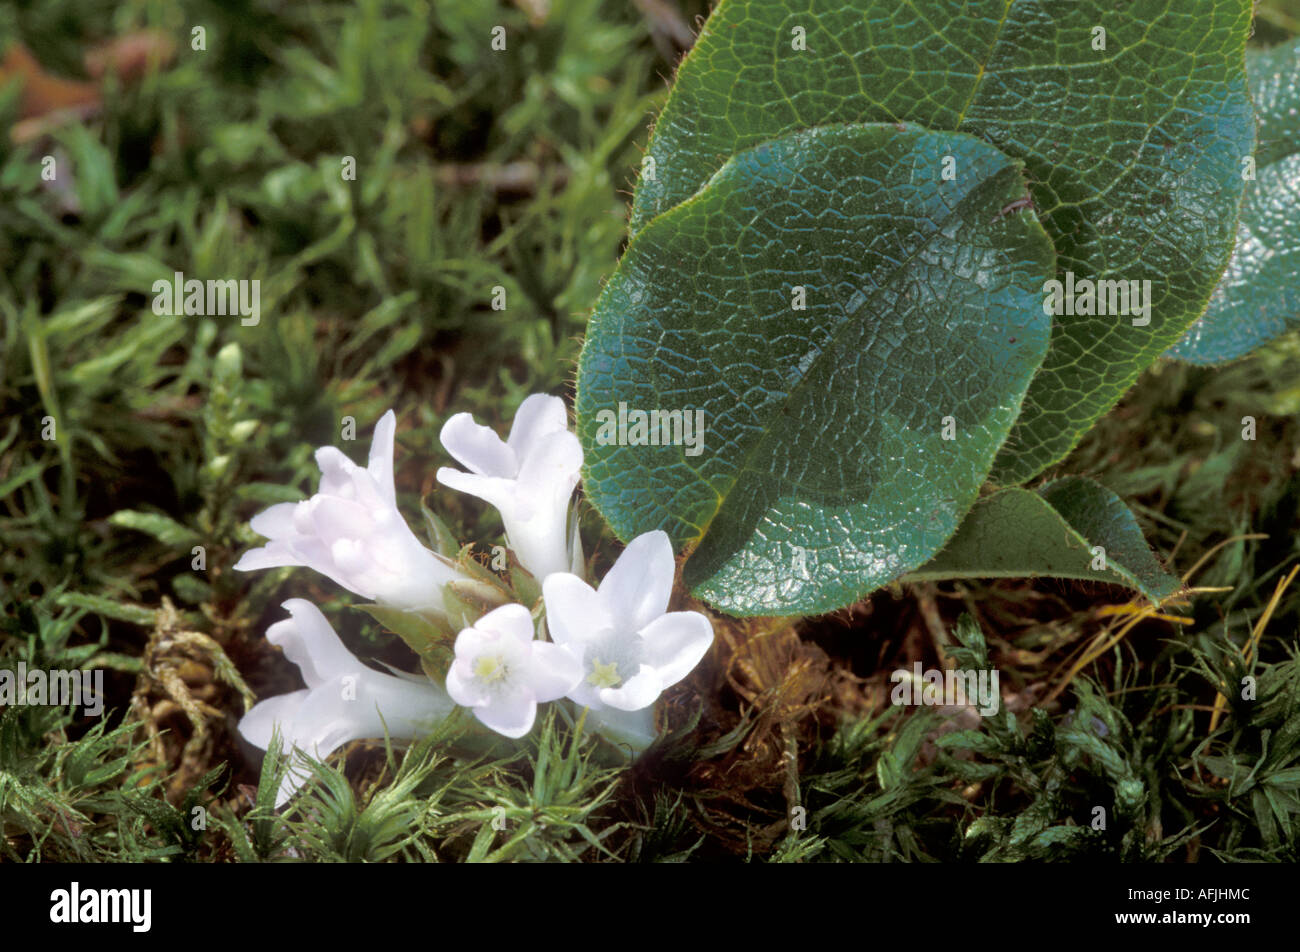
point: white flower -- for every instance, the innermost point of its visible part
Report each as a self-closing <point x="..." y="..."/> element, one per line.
<point x="630" y="649"/>
<point x="344" y="700"/>
<point x="529" y="477"/>
<point x="352" y="532"/>
<point x="501" y="672"/>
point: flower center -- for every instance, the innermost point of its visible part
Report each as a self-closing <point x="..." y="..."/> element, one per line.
<point x="490" y="668"/>
<point x="604" y="675"/>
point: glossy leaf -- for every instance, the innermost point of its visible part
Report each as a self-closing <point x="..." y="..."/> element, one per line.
<point x="1017" y="533"/>
<point x="1133" y="150"/>
<point x="1259" y="296"/>
<point x="824" y="470"/>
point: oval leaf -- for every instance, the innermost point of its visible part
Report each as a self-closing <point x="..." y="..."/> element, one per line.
<point x="1259" y="296"/>
<point x="1018" y="533"/>
<point x="1132" y="138"/>
<point x="847" y="426"/>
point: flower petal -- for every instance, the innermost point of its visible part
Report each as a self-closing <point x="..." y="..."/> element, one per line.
<point x="575" y="613"/>
<point x="638" y="586"/>
<point x="473" y="641"/>
<point x="547" y="476"/>
<point x="510" y="713"/>
<point x="275" y="522"/>
<point x="538" y="416"/>
<point x="333" y="517"/>
<point x="497" y="491"/>
<point x="640" y="690"/>
<point x="478" y="448"/>
<point x="258" y="724"/>
<point x="462" y="688"/>
<point x="585" y="694"/>
<point x="316" y="554"/>
<point x="309" y="642"/>
<point x="381" y="456"/>
<point x="508" y="621"/>
<point x="273" y="555"/>
<point x="673" y="644"/>
<point x="554" y="671"/>
<point x="336" y="471"/>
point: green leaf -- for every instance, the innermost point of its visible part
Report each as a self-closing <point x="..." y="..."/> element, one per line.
<point x="444" y="541"/>
<point x="1133" y="152"/>
<point x="823" y="471"/>
<point x="163" y="528"/>
<point x="1016" y="533"/>
<point x="974" y="740"/>
<point x="123" y="611"/>
<point x="429" y="637"/>
<point x="93" y="182"/>
<point x="1259" y="296"/>
<point x="1275" y="88"/>
<point x="527" y="590"/>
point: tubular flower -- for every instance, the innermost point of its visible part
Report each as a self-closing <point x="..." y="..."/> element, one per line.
<point x="529" y="477"/>
<point x="352" y="532"/>
<point x="344" y="700"/>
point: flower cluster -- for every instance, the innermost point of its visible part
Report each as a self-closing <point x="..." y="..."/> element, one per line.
<point x="612" y="649"/>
